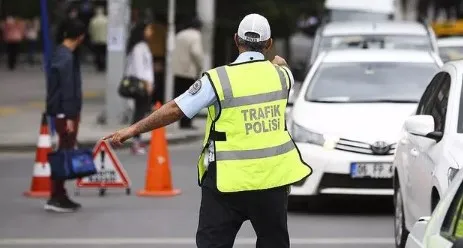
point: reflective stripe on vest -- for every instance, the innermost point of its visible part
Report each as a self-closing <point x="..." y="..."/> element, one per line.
<point x="253" y="150"/>
<point x="231" y="101"/>
<point x="257" y="153"/>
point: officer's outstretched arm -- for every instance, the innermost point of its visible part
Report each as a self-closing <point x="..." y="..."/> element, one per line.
<point x="167" y="114"/>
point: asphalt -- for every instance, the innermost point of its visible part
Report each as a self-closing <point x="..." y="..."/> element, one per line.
<point x="117" y="219"/>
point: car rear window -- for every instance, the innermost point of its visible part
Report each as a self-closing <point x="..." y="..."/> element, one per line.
<point x="451" y="53"/>
<point x="420" y="42"/>
<point x="370" y="81"/>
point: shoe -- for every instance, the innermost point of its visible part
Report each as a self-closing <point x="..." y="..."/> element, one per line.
<point x="72" y="203"/>
<point x="61" y="205"/>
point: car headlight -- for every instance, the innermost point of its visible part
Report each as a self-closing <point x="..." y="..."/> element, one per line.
<point x="300" y="134"/>
<point x="451" y="173"/>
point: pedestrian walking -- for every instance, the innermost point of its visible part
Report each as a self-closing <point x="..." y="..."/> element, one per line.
<point x="248" y="160"/>
<point x="32" y="36"/>
<point x="98" y="34"/>
<point x="13" y="30"/>
<point x="64" y="102"/>
<point x="140" y="66"/>
<point x="187" y="61"/>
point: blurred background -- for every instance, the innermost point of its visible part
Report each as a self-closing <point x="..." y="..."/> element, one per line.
<point x="301" y="30"/>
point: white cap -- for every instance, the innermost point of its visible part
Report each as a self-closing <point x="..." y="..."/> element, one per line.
<point x="257" y="24"/>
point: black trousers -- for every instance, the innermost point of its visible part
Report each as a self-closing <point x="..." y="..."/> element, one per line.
<point x="142" y="107"/>
<point x="12" y="50"/>
<point x="181" y="85"/>
<point x="159" y="81"/>
<point x="222" y="214"/>
<point x="99" y="53"/>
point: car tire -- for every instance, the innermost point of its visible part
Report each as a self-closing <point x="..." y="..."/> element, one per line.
<point x="400" y="230"/>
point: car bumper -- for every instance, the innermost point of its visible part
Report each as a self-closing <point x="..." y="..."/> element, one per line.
<point x="331" y="173"/>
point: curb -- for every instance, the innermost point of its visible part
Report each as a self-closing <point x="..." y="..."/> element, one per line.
<point x="89" y="144"/>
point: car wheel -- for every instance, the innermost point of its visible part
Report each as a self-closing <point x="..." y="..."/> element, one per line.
<point x="400" y="230"/>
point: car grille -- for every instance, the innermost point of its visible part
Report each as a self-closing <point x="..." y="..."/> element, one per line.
<point x="331" y="180"/>
<point x="361" y="147"/>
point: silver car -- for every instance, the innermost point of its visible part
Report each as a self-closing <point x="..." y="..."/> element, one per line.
<point x="386" y="34"/>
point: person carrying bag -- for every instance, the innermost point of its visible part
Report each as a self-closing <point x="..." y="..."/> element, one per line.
<point x="77" y="163"/>
<point x="138" y="80"/>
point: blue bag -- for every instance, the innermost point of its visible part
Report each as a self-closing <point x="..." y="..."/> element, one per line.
<point x="71" y="164"/>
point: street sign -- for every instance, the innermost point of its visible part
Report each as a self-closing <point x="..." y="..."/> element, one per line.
<point x="110" y="172"/>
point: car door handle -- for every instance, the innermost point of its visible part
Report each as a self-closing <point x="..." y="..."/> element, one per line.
<point x="414" y="152"/>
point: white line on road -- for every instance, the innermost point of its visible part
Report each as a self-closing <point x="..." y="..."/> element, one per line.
<point x="186" y="241"/>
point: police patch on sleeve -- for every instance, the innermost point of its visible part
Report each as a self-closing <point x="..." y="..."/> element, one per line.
<point x="195" y="87"/>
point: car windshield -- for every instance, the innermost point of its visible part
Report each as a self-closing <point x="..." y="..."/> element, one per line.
<point x="370" y="82"/>
<point x="353" y="15"/>
<point x="420" y="42"/>
<point x="451" y="53"/>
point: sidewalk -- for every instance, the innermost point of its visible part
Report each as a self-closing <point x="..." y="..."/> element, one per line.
<point x="22" y="102"/>
<point x="20" y="131"/>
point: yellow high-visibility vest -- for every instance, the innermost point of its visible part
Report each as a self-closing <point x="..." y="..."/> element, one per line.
<point x="252" y="148"/>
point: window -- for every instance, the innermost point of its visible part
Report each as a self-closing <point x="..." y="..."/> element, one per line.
<point x="439" y="110"/>
<point x="451" y="53"/>
<point x="452" y="227"/>
<point x="428" y="93"/>
<point x="436" y="105"/>
<point x="419" y="42"/>
<point x="353" y="15"/>
<point x="460" y="113"/>
<point x="370" y="82"/>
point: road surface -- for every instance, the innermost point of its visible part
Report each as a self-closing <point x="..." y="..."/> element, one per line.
<point x="118" y="220"/>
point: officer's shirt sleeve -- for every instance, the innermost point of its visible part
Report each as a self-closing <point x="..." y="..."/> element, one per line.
<point x="200" y="95"/>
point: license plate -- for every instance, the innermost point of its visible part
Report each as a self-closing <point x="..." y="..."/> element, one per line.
<point x="371" y="170"/>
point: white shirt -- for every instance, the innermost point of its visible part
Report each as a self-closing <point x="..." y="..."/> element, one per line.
<point x="187" y="57"/>
<point x="192" y="104"/>
<point x="140" y="63"/>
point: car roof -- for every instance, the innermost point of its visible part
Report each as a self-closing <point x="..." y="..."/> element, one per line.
<point x="377" y="55"/>
<point x="450" y="41"/>
<point x="379" y="6"/>
<point x="372" y="28"/>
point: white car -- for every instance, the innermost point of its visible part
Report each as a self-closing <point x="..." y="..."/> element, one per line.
<point x="397" y="35"/>
<point x="445" y="228"/>
<point x="450" y="48"/>
<point x="348" y="115"/>
<point x="430" y="150"/>
<point x="369" y="10"/>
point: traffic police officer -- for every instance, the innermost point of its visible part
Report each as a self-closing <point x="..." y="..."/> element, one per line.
<point x="249" y="159"/>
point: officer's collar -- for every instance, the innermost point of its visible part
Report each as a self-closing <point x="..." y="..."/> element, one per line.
<point x="249" y="56"/>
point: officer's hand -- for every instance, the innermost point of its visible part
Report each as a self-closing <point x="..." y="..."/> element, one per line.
<point x="279" y="61"/>
<point x="119" y="137"/>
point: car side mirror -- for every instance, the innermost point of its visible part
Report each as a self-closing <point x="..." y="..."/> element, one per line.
<point x="422" y="125"/>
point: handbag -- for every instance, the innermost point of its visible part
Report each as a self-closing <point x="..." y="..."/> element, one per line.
<point x="71" y="164"/>
<point x="132" y="87"/>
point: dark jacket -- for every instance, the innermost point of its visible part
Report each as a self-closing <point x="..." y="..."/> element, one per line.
<point x="64" y="85"/>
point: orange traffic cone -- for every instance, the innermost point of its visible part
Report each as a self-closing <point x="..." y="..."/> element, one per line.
<point x="40" y="186"/>
<point x="158" y="178"/>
